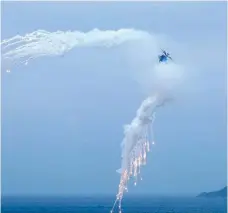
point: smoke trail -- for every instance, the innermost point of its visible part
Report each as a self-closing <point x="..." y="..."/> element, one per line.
<point x="136" y="143"/>
<point x="22" y="49"/>
<point x="137" y="135"/>
<point x="137" y="140"/>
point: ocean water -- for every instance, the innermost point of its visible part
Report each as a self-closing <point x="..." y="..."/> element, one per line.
<point x="103" y="204"/>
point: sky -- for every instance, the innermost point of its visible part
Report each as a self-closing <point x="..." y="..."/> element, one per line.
<point x="62" y="118"/>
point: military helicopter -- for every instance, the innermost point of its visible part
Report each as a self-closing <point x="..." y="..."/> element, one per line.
<point x="164" y="56"/>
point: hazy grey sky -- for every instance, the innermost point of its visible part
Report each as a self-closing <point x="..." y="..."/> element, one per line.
<point x="62" y="118"/>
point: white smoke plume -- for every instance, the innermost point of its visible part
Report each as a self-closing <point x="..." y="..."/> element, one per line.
<point x="135" y="145"/>
<point x="138" y="135"/>
<point x="22" y="49"/>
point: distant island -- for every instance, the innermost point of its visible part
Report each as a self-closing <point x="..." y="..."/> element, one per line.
<point x="214" y="194"/>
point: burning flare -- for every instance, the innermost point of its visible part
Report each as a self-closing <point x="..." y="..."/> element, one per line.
<point x="136" y="145"/>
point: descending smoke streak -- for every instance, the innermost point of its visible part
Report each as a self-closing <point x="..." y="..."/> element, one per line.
<point x="22" y="49"/>
<point x="136" y="145"/>
<point x="139" y="134"/>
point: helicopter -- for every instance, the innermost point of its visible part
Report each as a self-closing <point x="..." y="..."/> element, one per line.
<point x="164" y="56"/>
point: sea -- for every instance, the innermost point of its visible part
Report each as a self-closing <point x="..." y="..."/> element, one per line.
<point x="103" y="204"/>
